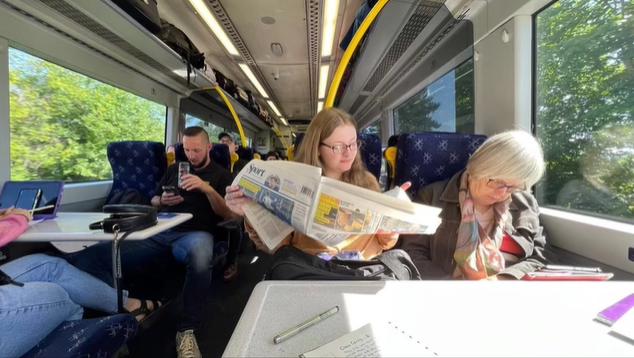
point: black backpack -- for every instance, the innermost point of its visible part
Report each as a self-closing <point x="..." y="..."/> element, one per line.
<point x="291" y="263"/>
<point x="128" y="196"/>
<point x="176" y="39"/>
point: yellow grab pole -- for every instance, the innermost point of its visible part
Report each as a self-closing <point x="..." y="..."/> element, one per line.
<point x="279" y="134"/>
<point x="336" y="80"/>
<point x="233" y="114"/>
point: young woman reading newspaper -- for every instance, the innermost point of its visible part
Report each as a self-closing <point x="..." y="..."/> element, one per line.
<point x="330" y="144"/>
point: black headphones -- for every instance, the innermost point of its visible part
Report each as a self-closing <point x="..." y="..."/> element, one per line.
<point x="126" y="217"/>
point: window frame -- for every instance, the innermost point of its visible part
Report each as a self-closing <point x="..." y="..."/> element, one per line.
<point x="32" y="37"/>
<point x="428" y="82"/>
<point x="576" y="213"/>
<point x="571" y="230"/>
<point x="534" y="66"/>
<point x="95" y="188"/>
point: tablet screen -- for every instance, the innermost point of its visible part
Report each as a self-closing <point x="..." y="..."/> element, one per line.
<point x="32" y="195"/>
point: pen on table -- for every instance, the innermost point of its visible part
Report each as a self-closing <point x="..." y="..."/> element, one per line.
<point x="573" y="268"/>
<point x="302" y="326"/>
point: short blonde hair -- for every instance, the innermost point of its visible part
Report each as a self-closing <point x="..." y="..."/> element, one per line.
<point x="509" y="155"/>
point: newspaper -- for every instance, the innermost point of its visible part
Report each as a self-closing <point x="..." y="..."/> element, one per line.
<point x="290" y="196"/>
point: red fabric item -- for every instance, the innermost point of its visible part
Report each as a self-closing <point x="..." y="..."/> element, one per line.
<point x="511" y="246"/>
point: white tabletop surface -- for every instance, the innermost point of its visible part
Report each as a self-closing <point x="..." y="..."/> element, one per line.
<point x="74" y="227"/>
<point x="477" y="318"/>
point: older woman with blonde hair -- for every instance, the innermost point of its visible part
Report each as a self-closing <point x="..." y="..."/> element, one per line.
<point x="331" y="144"/>
<point x="490" y="227"/>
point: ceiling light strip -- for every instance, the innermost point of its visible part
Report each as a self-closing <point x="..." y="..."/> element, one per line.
<point x="323" y="81"/>
<point x="331" y="10"/>
<point x="247" y="71"/>
<point x="274" y="108"/>
<point x="214" y="26"/>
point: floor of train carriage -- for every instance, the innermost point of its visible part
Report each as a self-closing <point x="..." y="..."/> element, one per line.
<point x="225" y="303"/>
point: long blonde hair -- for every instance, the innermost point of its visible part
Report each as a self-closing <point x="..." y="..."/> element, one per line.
<point x="321" y="127"/>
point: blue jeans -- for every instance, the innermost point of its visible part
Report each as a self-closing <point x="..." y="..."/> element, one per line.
<point x="193" y="248"/>
<point x="53" y="292"/>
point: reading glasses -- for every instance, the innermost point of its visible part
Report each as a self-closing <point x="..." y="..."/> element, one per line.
<point x="497" y="184"/>
<point x="339" y="148"/>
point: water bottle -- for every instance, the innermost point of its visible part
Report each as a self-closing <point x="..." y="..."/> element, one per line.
<point x="183" y="168"/>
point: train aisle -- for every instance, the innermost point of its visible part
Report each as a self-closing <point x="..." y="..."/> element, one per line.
<point x="225" y="304"/>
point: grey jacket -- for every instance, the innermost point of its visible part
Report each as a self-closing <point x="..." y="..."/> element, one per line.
<point x="433" y="254"/>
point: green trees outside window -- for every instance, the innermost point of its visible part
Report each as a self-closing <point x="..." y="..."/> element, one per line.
<point x="585" y="106"/>
<point x="61" y="121"/>
<point x="446" y="105"/>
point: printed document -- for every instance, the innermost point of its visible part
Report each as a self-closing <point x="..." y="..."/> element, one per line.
<point x="291" y="196"/>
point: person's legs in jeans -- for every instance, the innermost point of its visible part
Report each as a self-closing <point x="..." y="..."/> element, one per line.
<point x="81" y="288"/>
<point x="195" y="250"/>
<point x="30" y="313"/>
<point x="97" y="259"/>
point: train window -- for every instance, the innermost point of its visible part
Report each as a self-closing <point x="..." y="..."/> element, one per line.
<point x="446" y="105"/>
<point x="584" y="85"/>
<point x="212" y="129"/>
<point x="236" y="137"/>
<point x="61" y="121"/>
<point x="373" y="129"/>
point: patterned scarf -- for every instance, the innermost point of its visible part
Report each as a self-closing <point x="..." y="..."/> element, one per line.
<point x="477" y="255"/>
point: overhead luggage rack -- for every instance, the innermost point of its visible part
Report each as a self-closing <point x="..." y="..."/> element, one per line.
<point x="105" y="28"/>
<point x="245" y="115"/>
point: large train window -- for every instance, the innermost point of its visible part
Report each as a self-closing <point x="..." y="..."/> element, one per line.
<point x="61" y="121"/>
<point x="584" y="90"/>
<point x="212" y="129"/>
<point x="446" y="105"/>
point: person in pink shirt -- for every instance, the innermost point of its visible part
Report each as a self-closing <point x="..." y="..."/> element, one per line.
<point x="38" y="292"/>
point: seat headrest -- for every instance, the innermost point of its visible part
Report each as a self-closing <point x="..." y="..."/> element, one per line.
<point x="393" y="140"/>
<point x="290" y="152"/>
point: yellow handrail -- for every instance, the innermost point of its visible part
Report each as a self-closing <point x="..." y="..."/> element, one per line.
<point x="279" y="134"/>
<point x="233" y="113"/>
<point x="336" y="80"/>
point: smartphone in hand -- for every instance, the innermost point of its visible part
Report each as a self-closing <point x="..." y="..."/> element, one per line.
<point x="171" y="189"/>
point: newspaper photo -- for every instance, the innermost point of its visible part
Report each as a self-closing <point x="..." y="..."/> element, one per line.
<point x="290" y="196"/>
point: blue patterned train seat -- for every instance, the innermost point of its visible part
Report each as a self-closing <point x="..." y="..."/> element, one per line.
<point x="94" y="338"/>
<point x="370" y="151"/>
<point x="136" y="165"/>
<point x="425" y="158"/>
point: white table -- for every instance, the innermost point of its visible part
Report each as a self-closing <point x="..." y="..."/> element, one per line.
<point x="485" y="319"/>
<point x="69" y="232"/>
<point x="74" y="227"/>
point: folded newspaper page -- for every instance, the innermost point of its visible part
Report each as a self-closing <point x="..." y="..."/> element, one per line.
<point x="290" y="196"/>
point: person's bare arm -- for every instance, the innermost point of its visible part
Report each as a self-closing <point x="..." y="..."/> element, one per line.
<point x="193" y="182"/>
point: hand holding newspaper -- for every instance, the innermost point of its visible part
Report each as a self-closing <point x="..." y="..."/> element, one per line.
<point x="290" y="196"/>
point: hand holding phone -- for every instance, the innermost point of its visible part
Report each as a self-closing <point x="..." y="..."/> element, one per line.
<point x="171" y="189"/>
<point x="171" y="196"/>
